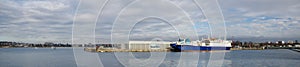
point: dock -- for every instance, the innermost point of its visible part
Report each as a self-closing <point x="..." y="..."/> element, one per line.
<point x="247" y="49"/>
<point x="121" y="50"/>
<point x="124" y="50"/>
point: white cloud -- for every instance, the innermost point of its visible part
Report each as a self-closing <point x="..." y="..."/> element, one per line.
<point x="51" y="20"/>
<point x="35" y="21"/>
<point x="264" y="18"/>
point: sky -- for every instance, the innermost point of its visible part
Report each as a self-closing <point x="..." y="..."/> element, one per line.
<point x="61" y="21"/>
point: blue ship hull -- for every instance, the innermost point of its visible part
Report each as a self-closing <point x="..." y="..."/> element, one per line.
<point x="196" y="48"/>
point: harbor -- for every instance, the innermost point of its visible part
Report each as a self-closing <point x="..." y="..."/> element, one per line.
<point x="297" y="49"/>
<point x="149" y="33"/>
<point x="161" y="46"/>
<point x="150" y="46"/>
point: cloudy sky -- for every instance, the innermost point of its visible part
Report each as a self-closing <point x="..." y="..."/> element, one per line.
<point x="38" y="21"/>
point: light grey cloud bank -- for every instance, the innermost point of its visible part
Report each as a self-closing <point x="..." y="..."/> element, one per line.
<point x="51" y="20"/>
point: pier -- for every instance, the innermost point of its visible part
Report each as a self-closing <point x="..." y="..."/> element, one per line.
<point x="122" y="50"/>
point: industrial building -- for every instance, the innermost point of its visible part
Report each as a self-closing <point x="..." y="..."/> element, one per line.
<point x="148" y="45"/>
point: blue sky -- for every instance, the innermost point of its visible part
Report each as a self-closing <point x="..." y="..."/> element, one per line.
<point x="39" y="21"/>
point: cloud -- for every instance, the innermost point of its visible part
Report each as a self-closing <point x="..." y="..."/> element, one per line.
<point x="35" y="21"/>
<point x="51" y="20"/>
<point x="110" y="13"/>
<point x="267" y="19"/>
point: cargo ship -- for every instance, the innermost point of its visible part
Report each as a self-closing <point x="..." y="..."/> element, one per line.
<point x="204" y="44"/>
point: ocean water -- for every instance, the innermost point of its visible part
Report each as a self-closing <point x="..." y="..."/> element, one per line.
<point x="64" y="57"/>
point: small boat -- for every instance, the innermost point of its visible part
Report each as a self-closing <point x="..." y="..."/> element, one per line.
<point x="204" y="44"/>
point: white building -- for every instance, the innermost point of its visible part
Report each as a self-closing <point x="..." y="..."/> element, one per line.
<point x="148" y="45"/>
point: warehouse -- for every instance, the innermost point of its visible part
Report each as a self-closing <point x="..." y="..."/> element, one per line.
<point x="148" y="45"/>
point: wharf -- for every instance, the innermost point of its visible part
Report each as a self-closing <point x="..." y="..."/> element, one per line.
<point x="122" y="50"/>
<point x="247" y="49"/>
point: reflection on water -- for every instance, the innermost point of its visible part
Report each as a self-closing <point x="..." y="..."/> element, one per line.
<point x="63" y="57"/>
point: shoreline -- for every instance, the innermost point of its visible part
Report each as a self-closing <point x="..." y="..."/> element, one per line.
<point x="89" y="49"/>
<point x="297" y="50"/>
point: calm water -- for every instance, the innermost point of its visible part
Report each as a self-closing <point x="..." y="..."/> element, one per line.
<point x="64" y="57"/>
